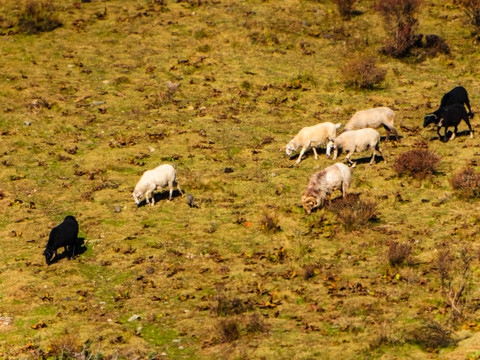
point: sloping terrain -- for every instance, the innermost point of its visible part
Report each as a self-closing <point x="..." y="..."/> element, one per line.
<point x="217" y="89"/>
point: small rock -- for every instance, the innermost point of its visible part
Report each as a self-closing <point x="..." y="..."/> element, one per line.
<point x="228" y="170"/>
<point x="133" y="318"/>
<point x="190" y="200"/>
<point x="98" y="103"/>
<point x="149" y="270"/>
<point x="176" y="340"/>
<point x="27" y="123"/>
<point x="180" y="347"/>
<point x="106" y="82"/>
<point x="151" y="149"/>
<point x="117" y="209"/>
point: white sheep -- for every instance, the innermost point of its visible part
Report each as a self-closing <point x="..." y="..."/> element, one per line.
<point x="312" y="136"/>
<point x="356" y="141"/>
<point x="373" y="118"/>
<point x="322" y="184"/>
<point x="159" y="177"/>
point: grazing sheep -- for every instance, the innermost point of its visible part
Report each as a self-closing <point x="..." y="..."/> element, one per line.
<point x="63" y="235"/>
<point x="446" y="117"/>
<point x="458" y="95"/>
<point x="159" y="177"/>
<point x="322" y="184"/>
<point x="356" y="141"/>
<point x="373" y="118"/>
<point x="310" y="136"/>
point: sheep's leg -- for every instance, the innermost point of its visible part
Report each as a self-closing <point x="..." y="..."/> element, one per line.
<point x="373" y="157"/>
<point x="381" y="153"/>
<point x="469" y="127"/>
<point x="150" y="193"/>
<point x="335" y="153"/>
<point x="344" y="189"/>
<point x="315" y="152"/>
<point x="454" y="133"/>
<point x="179" y="189"/>
<point x="170" y="186"/>
<point x="438" y="132"/>
<point x="301" y="154"/>
<point x="395" y="133"/>
<point x="348" y="157"/>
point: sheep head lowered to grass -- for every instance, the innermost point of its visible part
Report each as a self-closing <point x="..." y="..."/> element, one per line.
<point x="63" y="235"/>
<point x="322" y="184"/>
<point x="159" y="177"/>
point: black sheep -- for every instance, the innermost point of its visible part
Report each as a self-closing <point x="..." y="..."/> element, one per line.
<point x="63" y="235"/>
<point x="458" y="95"/>
<point x="447" y="117"/>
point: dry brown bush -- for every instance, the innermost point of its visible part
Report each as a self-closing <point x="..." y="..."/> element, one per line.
<point x="345" y="7"/>
<point x="362" y="72"/>
<point x="36" y="17"/>
<point x="472" y="10"/>
<point x="466" y="183"/>
<point x="353" y="212"/>
<point x="399" y="253"/>
<point x="229" y="330"/>
<point x="431" y="336"/>
<point x="401" y="23"/>
<point x="269" y="222"/>
<point x="416" y="163"/>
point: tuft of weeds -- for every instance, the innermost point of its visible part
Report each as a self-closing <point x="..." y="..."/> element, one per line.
<point x="472" y="10"/>
<point x="229" y="330"/>
<point x="228" y="306"/>
<point x="399" y="253"/>
<point x="255" y="324"/>
<point x="416" y="163"/>
<point x="269" y="222"/>
<point x="353" y="212"/>
<point x="466" y="183"/>
<point x="362" y="72"/>
<point x="431" y="336"/>
<point x="36" y="17"/>
<point x="345" y="7"/>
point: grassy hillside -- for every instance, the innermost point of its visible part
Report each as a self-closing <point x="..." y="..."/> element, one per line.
<point x="217" y="89"/>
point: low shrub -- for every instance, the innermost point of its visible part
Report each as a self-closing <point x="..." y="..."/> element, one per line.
<point x="345" y="7"/>
<point x="431" y="337"/>
<point x="36" y="17"/>
<point x="353" y="212"/>
<point x="401" y="23"/>
<point x="361" y="72"/>
<point x="269" y="222"/>
<point x="399" y="253"/>
<point x="416" y="163"/>
<point x="255" y="324"/>
<point x="229" y="330"/>
<point x="466" y="183"/>
<point x="472" y="10"/>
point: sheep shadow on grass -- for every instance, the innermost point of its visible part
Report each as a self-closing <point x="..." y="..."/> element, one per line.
<point x="365" y="160"/>
<point x="79" y="249"/>
<point x="449" y="134"/>
<point x="160" y="196"/>
<point x="321" y="150"/>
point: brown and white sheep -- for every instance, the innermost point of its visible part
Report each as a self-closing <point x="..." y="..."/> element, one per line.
<point x="373" y="118"/>
<point x="356" y="141"/>
<point x="322" y="184"/>
<point x="312" y="136"/>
